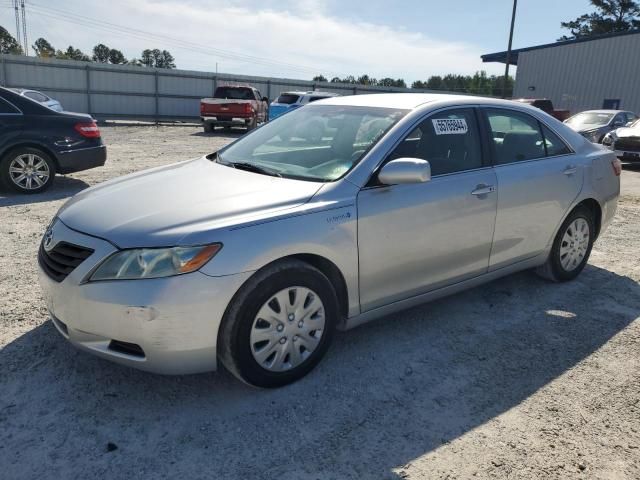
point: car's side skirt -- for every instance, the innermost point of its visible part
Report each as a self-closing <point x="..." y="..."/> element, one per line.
<point x="443" y="292"/>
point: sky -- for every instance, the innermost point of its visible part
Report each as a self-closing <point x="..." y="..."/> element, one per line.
<point x="410" y="39"/>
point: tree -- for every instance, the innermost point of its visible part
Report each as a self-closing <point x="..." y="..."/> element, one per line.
<point x="320" y="78"/>
<point x="165" y="60"/>
<point x="157" y="58"/>
<point x="72" y="54"/>
<point x="101" y="53"/>
<point x="336" y="80"/>
<point x="43" y="48"/>
<point x="116" y="57"/>
<point x="610" y="16"/>
<point x="8" y="44"/>
<point x="434" y="83"/>
<point x="419" y="84"/>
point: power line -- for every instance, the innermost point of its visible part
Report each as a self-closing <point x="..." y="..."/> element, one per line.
<point x="145" y="35"/>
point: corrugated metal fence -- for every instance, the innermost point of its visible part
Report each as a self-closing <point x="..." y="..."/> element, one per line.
<point x="124" y="91"/>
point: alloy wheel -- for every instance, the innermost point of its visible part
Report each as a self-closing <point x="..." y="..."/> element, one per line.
<point x="29" y="171"/>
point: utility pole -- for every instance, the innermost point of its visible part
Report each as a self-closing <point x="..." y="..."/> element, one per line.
<point x="17" y="10"/>
<point x="24" y="28"/>
<point x="506" y="69"/>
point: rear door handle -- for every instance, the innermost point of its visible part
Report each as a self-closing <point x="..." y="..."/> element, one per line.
<point x="570" y="170"/>
<point x="483" y="190"/>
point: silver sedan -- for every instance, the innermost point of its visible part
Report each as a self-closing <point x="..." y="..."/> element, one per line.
<point x="335" y="214"/>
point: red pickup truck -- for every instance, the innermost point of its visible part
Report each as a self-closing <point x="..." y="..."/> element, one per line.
<point x="546" y="105"/>
<point x="233" y="106"/>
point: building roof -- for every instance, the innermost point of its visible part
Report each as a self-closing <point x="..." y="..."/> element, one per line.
<point x="502" y="56"/>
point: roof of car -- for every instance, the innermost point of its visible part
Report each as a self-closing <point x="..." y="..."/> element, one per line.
<point x="408" y="101"/>
<point x="605" y="111"/>
<point x="311" y="92"/>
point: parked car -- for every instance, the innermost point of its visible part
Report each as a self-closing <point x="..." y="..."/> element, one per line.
<point x="233" y="106"/>
<point x="275" y="240"/>
<point x="546" y="105"/>
<point x="37" y="142"/>
<point x="288" y="101"/>
<point x="595" y="124"/>
<point x="625" y="142"/>
<point x="40" y="98"/>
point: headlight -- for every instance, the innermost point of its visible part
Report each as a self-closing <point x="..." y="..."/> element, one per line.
<point x="154" y="262"/>
<point x="608" y="139"/>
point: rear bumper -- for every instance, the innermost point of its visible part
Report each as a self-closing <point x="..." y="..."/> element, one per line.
<point x="77" y="160"/>
<point x="235" y="121"/>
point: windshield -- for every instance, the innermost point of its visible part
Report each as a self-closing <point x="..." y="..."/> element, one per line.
<point x="288" y="98"/>
<point x="319" y="142"/>
<point x="589" y="119"/>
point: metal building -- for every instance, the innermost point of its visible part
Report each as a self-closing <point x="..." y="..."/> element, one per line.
<point x="583" y="74"/>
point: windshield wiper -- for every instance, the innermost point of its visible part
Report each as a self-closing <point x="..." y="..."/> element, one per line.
<point x="251" y="167"/>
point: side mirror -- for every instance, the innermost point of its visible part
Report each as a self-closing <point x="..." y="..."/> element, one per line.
<point x="265" y="99"/>
<point x="405" y="170"/>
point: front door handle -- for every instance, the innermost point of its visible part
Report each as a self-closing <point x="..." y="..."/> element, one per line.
<point x="570" y="170"/>
<point x="483" y="190"/>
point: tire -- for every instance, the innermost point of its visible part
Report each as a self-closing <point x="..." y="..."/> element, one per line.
<point x="208" y="127"/>
<point x="273" y="363"/>
<point x="253" y="124"/>
<point x="40" y="166"/>
<point x="564" y="263"/>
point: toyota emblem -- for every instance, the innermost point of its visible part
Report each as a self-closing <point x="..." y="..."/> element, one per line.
<point x="48" y="239"/>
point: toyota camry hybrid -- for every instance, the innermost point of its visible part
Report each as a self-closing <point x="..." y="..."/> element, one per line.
<point x="337" y="213"/>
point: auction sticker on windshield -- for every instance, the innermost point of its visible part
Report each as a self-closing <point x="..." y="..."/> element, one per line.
<point x="450" y="126"/>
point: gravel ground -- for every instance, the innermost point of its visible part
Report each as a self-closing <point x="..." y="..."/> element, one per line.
<point x="516" y="379"/>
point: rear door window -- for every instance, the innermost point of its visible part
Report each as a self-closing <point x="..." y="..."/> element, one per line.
<point x="449" y="140"/>
<point x="515" y="136"/>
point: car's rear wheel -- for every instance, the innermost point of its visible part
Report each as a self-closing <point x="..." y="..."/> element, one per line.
<point x="27" y="170"/>
<point x="571" y="247"/>
<point x="279" y="325"/>
<point x="209" y="127"/>
<point x="253" y="124"/>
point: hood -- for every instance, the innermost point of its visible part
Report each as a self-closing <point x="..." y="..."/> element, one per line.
<point x="628" y="132"/>
<point x="159" y="207"/>
<point x="590" y="128"/>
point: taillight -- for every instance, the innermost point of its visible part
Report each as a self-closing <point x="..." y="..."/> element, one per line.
<point x="248" y="108"/>
<point x="201" y="108"/>
<point x="88" y="129"/>
<point x="617" y="167"/>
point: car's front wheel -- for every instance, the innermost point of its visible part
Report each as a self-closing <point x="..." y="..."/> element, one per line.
<point x="279" y="325"/>
<point x="571" y="247"/>
<point x="27" y="170"/>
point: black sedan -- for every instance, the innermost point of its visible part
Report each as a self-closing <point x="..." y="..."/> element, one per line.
<point x="37" y="142"/>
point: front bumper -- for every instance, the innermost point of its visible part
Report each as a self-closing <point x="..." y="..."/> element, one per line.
<point x="82" y="159"/>
<point x="174" y="321"/>
<point x="626" y="156"/>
